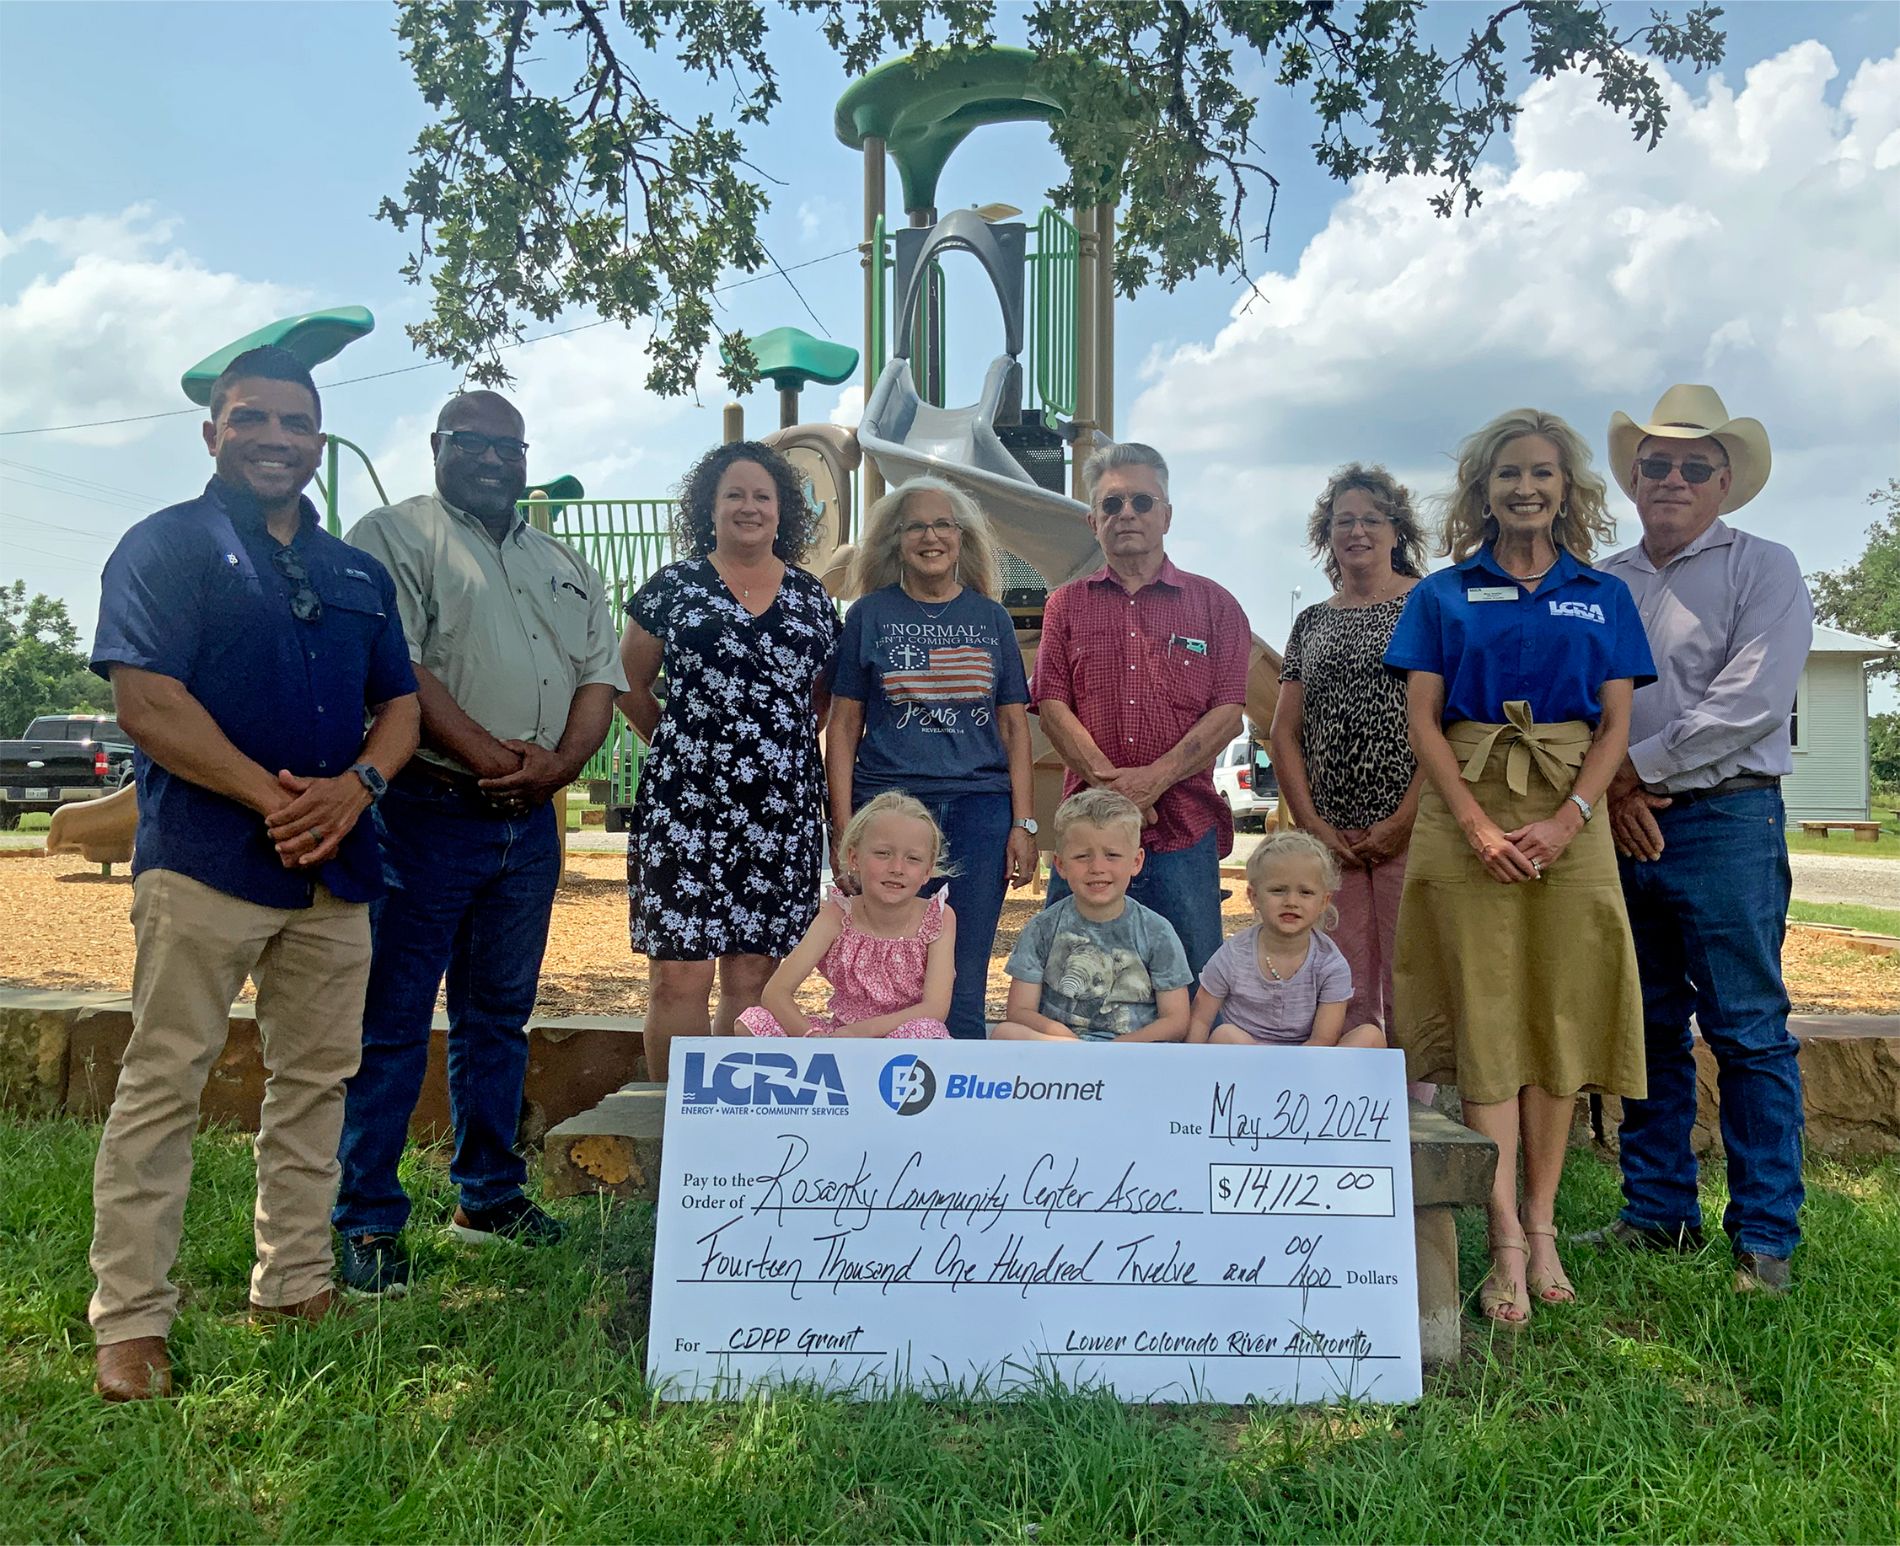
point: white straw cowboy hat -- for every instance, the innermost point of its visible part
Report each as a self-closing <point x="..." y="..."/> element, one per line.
<point x="1694" y="413"/>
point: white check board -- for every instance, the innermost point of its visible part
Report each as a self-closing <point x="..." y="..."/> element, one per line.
<point x="1176" y="1223"/>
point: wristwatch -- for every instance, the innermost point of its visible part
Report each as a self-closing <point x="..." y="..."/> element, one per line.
<point x="373" y="781"/>
<point x="1585" y="806"/>
<point x="1028" y="824"/>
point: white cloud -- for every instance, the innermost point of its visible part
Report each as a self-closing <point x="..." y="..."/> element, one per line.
<point x="821" y="215"/>
<point x="849" y="408"/>
<point x="1752" y="250"/>
<point x="108" y="327"/>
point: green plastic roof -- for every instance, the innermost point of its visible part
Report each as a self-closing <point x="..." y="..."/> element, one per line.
<point x="791" y="359"/>
<point x="923" y="119"/>
<point x="314" y="337"/>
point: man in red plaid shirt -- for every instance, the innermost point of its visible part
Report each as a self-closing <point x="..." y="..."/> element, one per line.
<point x="1140" y="679"/>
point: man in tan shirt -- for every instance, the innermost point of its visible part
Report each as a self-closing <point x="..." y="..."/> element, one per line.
<point x="517" y="662"/>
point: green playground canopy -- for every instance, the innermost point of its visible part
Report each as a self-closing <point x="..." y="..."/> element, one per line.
<point x="791" y="359"/>
<point x="922" y="116"/>
<point x="314" y="337"/>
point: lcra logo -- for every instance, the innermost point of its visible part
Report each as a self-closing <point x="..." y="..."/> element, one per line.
<point x="764" y="1081"/>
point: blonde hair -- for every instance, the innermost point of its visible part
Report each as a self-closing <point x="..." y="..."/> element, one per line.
<point x="1097" y="808"/>
<point x="894" y="802"/>
<point x="1582" y="523"/>
<point x="880" y="561"/>
<point x="1291" y="843"/>
<point x="1390" y="498"/>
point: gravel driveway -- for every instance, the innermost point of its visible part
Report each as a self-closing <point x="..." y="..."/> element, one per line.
<point x="1844" y="878"/>
<point x="1817" y="877"/>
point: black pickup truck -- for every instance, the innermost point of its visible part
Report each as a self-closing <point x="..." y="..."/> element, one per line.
<point x="62" y="758"/>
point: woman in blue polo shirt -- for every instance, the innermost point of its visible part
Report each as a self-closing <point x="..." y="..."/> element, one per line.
<point x="1516" y="975"/>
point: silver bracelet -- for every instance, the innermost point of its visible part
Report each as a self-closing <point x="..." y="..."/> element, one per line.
<point x="1583" y="805"/>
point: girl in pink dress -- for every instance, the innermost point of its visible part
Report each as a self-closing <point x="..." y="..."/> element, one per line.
<point x="889" y="955"/>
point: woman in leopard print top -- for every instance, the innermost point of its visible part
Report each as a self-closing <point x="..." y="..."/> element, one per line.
<point x="1346" y="769"/>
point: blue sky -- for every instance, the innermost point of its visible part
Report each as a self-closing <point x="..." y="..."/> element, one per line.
<point x="172" y="175"/>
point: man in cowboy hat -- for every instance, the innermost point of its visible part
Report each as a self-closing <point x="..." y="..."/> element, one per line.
<point x="1697" y="815"/>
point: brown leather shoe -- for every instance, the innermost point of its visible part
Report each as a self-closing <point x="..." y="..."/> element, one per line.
<point x="137" y="1369"/>
<point x="324" y="1304"/>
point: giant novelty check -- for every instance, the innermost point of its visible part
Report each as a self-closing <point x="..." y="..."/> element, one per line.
<point x="1174" y="1223"/>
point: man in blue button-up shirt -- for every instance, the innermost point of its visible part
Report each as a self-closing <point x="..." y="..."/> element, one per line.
<point x="245" y="647"/>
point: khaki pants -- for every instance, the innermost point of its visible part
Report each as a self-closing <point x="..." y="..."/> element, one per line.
<point x="196" y="945"/>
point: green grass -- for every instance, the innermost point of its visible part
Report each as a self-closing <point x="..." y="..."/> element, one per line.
<point x="503" y="1400"/>
<point x="1847" y="915"/>
<point x="1846" y="844"/>
<point x="34" y="821"/>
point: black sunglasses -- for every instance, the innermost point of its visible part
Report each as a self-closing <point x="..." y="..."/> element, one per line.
<point x="1143" y="503"/>
<point x="470" y="443"/>
<point x="305" y="604"/>
<point x="1657" y="468"/>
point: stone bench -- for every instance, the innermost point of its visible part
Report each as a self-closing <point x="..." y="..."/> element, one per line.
<point x="1850" y="1088"/>
<point x="615" y="1149"/>
<point x="60" y="1053"/>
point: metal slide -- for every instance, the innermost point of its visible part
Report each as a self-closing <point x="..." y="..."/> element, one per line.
<point x="908" y="437"/>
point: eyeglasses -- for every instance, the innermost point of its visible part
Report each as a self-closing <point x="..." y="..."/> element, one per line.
<point x="1143" y="503"/>
<point x="305" y="604"/>
<point x="1658" y="468"/>
<point x="470" y="443"/>
<point x="1367" y="523"/>
<point x="941" y="529"/>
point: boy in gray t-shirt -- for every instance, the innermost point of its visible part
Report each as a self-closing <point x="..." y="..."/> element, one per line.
<point x="1097" y="965"/>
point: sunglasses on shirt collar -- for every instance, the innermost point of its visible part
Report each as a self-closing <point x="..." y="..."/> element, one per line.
<point x="1143" y="503"/>
<point x="305" y="604"/>
<point x="1657" y="468"/>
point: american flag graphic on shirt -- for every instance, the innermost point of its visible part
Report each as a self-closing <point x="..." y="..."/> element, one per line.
<point x="947" y="674"/>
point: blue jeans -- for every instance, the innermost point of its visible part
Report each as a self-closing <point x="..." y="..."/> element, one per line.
<point x="469" y="895"/>
<point x="1184" y="887"/>
<point x="1708" y="919"/>
<point x="976" y="835"/>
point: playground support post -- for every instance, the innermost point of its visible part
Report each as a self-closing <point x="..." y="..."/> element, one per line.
<point x="1105" y="319"/>
<point x="787" y="407"/>
<point x="926" y="352"/>
<point x="1087" y="272"/>
<point x="732" y="426"/>
<point x="873" y="480"/>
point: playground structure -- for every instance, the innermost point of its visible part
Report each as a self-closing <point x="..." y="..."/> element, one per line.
<point x="1045" y="401"/>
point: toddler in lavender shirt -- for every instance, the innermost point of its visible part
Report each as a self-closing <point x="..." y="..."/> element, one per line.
<point x="1282" y="982"/>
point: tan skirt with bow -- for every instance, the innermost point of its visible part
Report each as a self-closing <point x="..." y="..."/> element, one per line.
<point x="1502" y="986"/>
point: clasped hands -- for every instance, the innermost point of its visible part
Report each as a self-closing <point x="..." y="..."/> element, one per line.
<point x="316" y="814"/>
<point x="1523" y="854"/>
<point x="314" y="818"/>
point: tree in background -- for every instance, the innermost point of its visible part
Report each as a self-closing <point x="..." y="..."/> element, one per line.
<point x="41" y="668"/>
<point x="1864" y="597"/>
<point x="554" y="176"/>
<point x="1883" y="755"/>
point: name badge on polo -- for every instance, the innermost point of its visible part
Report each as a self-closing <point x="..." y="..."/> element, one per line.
<point x="1492" y="593"/>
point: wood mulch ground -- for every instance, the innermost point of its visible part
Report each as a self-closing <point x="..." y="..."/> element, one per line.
<point x="62" y="924"/>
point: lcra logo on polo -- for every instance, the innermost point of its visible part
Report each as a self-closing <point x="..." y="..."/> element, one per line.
<point x="774" y="1083"/>
<point x="1587" y="611"/>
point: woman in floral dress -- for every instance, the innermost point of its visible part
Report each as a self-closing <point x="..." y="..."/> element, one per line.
<point x="724" y="852"/>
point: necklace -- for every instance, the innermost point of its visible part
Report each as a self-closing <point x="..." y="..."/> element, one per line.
<point x="745" y="591"/>
<point x="1531" y="579"/>
<point x="918" y="602"/>
<point x="1266" y="957"/>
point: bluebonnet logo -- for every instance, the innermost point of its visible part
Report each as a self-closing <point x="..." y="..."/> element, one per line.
<point x="1588" y="611"/>
<point x="777" y="1082"/>
<point x="907" y="1084"/>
